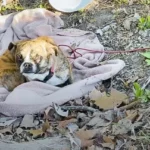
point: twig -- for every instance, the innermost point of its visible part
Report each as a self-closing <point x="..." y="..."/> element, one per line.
<point x="83" y="108"/>
<point x="146" y="83"/>
<point x="130" y="105"/>
<point x="142" y="146"/>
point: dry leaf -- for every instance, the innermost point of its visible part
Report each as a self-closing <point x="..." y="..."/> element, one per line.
<point x="108" y="145"/>
<point x="93" y="147"/>
<point x="132" y="80"/>
<point x="108" y="139"/>
<point x="28" y="121"/>
<point x="108" y="142"/>
<point x="5" y="130"/>
<point x="132" y="115"/>
<point x="132" y="148"/>
<point x="86" y="134"/>
<point x="63" y="124"/>
<point x="36" y="133"/>
<point x="122" y="127"/>
<point x="105" y="102"/>
<point x="86" y="143"/>
<point x="45" y="126"/>
<point x="98" y="122"/>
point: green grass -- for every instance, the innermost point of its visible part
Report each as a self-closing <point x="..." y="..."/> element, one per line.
<point x="144" y="23"/>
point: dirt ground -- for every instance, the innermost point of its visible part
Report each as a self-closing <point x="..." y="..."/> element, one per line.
<point x="117" y="29"/>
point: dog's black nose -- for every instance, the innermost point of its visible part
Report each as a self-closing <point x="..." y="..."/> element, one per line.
<point x="27" y="67"/>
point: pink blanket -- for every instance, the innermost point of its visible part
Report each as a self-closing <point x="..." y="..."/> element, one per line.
<point x="34" y="97"/>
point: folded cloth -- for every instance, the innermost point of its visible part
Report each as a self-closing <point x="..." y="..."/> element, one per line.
<point x="33" y="97"/>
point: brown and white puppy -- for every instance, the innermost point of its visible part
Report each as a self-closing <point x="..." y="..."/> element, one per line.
<point x="39" y="59"/>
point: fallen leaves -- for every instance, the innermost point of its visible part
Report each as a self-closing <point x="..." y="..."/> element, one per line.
<point x="45" y="126"/>
<point x="97" y="122"/>
<point x="63" y="124"/>
<point x="36" y="133"/>
<point x="122" y="127"/>
<point x="86" y="134"/>
<point x="84" y="126"/>
<point x="6" y="130"/>
<point x="103" y="101"/>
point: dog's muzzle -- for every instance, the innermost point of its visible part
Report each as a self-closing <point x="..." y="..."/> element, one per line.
<point x="27" y="68"/>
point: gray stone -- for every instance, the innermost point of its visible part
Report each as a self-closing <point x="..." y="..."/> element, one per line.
<point x="99" y="31"/>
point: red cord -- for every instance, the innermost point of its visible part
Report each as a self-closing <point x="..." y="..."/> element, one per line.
<point x="74" y="51"/>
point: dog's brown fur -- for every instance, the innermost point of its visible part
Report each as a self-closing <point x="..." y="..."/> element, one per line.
<point x="10" y="75"/>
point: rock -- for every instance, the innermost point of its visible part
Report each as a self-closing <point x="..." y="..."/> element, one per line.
<point x="127" y="24"/>
<point x="19" y="131"/>
<point x="120" y="10"/>
<point x="130" y="34"/>
<point x="137" y="16"/>
<point x="91" y="26"/>
<point x="148" y="32"/>
<point x="100" y="32"/>
<point x="113" y="25"/>
<point x="106" y="28"/>
<point x="143" y="33"/>
<point x="139" y="39"/>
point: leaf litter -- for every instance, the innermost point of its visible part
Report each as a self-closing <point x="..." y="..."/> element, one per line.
<point x="84" y="129"/>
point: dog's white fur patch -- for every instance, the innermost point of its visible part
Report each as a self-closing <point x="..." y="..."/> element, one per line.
<point x="32" y="76"/>
<point x="27" y="60"/>
<point x="54" y="80"/>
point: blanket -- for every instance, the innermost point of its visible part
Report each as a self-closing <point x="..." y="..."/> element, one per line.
<point x="33" y="97"/>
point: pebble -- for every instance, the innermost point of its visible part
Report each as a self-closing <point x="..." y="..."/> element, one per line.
<point x="143" y="33"/>
<point x="99" y="31"/>
<point x="130" y="34"/>
<point x="137" y="16"/>
<point x="127" y="24"/>
<point x="106" y="28"/>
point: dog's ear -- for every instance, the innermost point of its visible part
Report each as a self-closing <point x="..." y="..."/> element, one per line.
<point x="11" y="46"/>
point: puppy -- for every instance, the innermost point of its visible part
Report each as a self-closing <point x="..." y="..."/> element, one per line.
<point x="38" y="59"/>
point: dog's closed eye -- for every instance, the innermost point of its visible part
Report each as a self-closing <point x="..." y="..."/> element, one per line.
<point x="19" y="58"/>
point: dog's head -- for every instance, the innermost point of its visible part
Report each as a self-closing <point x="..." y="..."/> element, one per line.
<point x="35" y="56"/>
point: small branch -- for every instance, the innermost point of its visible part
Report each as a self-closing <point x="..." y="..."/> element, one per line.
<point x="82" y="108"/>
<point x="130" y="105"/>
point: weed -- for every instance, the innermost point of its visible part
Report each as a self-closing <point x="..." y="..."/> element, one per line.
<point x="141" y="94"/>
<point x="144" y="23"/>
<point x="11" y="7"/>
<point x="145" y="2"/>
<point x="121" y="2"/>
<point x="147" y="56"/>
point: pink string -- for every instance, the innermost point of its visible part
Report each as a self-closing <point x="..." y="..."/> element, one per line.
<point x="74" y="51"/>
